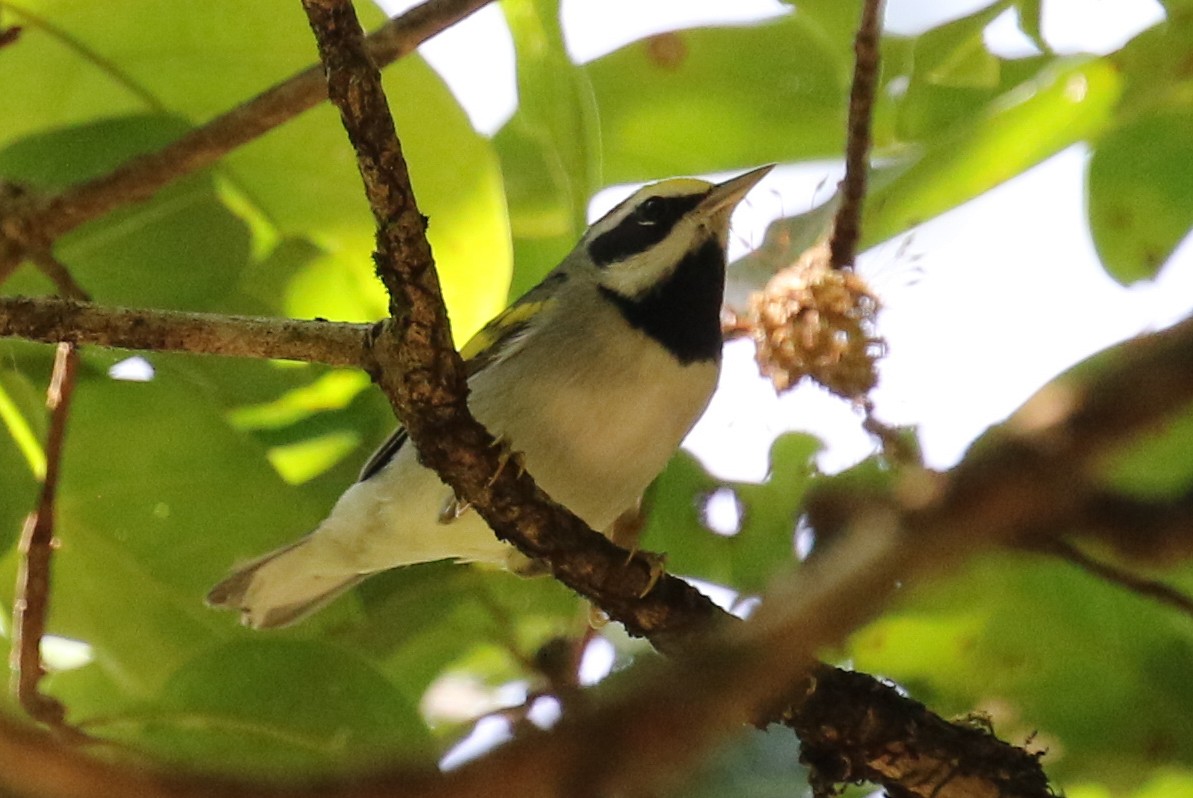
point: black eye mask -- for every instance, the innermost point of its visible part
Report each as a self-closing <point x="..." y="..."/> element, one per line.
<point x="646" y="226"/>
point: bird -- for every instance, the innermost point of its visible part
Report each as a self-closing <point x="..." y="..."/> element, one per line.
<point x="594" y="377"/>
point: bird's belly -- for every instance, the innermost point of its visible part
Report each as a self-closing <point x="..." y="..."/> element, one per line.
<point x="596" y="447"/>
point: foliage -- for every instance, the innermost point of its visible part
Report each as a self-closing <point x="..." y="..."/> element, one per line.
<point x="171" y="480"/>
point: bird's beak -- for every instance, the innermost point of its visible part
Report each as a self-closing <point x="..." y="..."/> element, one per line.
<point x="725" y="196"/>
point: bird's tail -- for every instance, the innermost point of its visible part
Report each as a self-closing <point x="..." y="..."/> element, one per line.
<point x="282" y="587"/>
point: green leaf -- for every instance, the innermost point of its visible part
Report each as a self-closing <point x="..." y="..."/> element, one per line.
<point x="1157" y="464"/>
<point x="22" y="458"/>
<point x="1155" y="66"/>
<point x="279" y="708"/>
<point x="409" y="612"/>
<point x="687" y="101"/>
<point x="1141" y="192"/>
<point x="836" y="22"/>
<point x="1068" y="103"/>
<point x="550" y="149"/>
<point x="77" y="63"/>
<point x="159" y="497"/>
<point x="929" y="108"/>
<point x="455" y="176"/>
<point x="955" y="54"/>
<point x="760" y="764"/>
<point x="182" y="249"/>
<point x="88" y="62"/>
<point x="1030" y="16"/>
<point x="746" y="560"/>
<point x="1026" y="640"/>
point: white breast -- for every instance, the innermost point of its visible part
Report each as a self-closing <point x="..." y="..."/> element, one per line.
<point x="595" y="418"/>
<point x="597" y="424"/>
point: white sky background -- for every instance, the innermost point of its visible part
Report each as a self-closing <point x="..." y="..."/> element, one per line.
<point x="982" y="305"/>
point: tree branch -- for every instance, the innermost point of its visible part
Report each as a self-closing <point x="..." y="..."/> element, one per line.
<point x="138" y="179"/>
<point x="847" y="224"/>
<point x="31" y="604"/>
<point x="1113" y="574"/>
<point x="1153" y="532"/>
<point x="52" y="320"/>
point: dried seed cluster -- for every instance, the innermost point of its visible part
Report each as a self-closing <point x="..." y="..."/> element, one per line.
<point x="815" y="321"/>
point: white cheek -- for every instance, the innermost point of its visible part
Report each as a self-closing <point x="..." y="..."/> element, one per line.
<point x="635" y="275"/>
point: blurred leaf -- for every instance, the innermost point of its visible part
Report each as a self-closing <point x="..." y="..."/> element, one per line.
<point x="1141" y="193"/>
<point x="21" y="454"/>
<point x="282" y="708"/>
<point x="550" y="148"/>
<point x="89" y="62"/>
<point x="746" y="560"/>
<point x="836" y="21"/>
<point x="301" y="178"/>
<point x="23" y="416"/>
<point x="760" y="764"/>
<point x="1154" y="65"/>
<point x="182" y="249"/>
<point x="556" y="112"/>
<point x="301" y="461"/>
<point x="409" y="612"/>
<point x="159" y="496"/>
<point x="330" y="391"/>
<point x="1026" y="640"/>
<point x="955" y="54"/>
<point x="687" y="101"/>
<point x="930" y="107"/>
<point x="1030" y="16"/>
<point x="1064" y="105"/>
<point x="1157" y="465"/>
<point x="455" y="177"/>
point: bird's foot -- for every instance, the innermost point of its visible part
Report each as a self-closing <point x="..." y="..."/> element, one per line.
<point x="504" y="457"/>
<point x="452" y="509"/>
<point x="658" y="567"/>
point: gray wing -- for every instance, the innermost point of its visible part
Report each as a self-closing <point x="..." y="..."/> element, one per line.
<point x="384" y="454"/>
<point x="496" y="341"/>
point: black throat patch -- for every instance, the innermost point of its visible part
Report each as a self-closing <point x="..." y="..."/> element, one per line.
<point x="683" y="312"/>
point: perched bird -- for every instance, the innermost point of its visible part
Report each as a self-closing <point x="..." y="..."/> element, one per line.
<point x="594" y="376"/>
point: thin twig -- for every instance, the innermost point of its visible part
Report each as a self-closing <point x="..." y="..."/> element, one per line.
<point x="31" y="605"/>
<point x="141" y="177"/>
<point x="1142" y="586"/>
<point x="1154" y="532"/>
<point x="51" y="320"/>
<point x="60" y="276"/>
<point x="847" y="225"/>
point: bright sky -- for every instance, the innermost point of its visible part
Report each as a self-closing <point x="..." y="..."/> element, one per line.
<point x="982" y="306"/>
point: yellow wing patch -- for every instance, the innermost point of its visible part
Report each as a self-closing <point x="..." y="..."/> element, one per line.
<point x="493" y="340"/>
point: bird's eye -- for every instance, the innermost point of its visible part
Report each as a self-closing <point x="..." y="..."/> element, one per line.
<point x="650" y="211"/>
